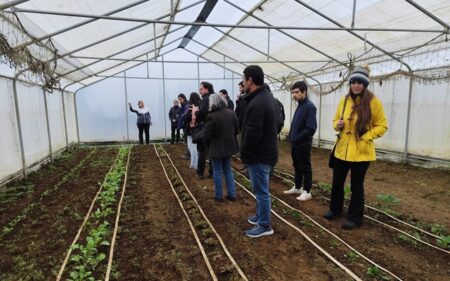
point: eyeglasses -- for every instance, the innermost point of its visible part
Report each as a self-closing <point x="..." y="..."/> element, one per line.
<point x="355" y="82"/>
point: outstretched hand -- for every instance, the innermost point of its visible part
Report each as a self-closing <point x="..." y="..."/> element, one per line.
<point x="129" y="104"/>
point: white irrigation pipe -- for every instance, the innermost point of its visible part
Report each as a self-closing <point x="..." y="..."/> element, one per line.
<point x="397" y="229"/>
<point x="347" y="270"/>
<point x="66" y="259"/>
<point x="202" y="250"/>
<point x="116" y="224"/>
<point x="241" y="273"/>
<point x="377" y="210"/>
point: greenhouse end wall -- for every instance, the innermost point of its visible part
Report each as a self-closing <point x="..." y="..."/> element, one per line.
<point x="43" y="132"/>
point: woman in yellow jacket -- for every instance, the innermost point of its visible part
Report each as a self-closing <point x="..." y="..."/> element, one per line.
<point x="359" y="120"/>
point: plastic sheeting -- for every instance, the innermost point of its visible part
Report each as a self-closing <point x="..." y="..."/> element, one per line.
<point x="34" y="128"/>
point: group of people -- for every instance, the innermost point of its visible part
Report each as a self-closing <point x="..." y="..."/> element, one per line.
<point x="252" y="129"/>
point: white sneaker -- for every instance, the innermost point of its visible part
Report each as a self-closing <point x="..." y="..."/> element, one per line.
<point x="305" y="196"/>
<point x="293" y="190"/>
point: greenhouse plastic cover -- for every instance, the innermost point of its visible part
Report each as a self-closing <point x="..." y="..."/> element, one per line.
<point x="318" y="47"/>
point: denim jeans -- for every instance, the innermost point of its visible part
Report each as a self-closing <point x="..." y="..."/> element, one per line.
<point x="259" y="176"/>
<point x="193" y="152"/>
<point x="223" y="166"/>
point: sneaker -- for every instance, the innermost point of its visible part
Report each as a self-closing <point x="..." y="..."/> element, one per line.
<point x="293" y="190"/>
<point x="253" y="220"/>
<point x="349" y="225"/>
<point x="259" y="231"/>
<point x="305" y="196"/>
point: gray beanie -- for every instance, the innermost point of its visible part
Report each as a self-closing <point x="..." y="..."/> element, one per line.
<point x="360" y="74"/>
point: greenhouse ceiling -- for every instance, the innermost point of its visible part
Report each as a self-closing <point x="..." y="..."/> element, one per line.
<point x="81" y="41"/>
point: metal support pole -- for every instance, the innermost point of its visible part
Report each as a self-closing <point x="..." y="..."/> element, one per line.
<point x="319" y="133"/>
<point x="224" y="68"/>
<point x="76" y="115"/>
<point x="148" y="66"/>
<point x="126" y="103"/>
<point x="408" y="118"/>
<point x="353" y="13"/>
<point x="164" y="98"/>
<point x="65" y="119"/>
<point x="268" y="44"/>
<point x="19" y="126"/>
<point x="48" y="126"/>
<point x="11" y="4"/>
<point x="198" y="71"/>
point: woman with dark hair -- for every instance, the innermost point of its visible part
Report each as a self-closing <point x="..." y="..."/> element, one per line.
<point x="224" y="94"/>
<point x="190" y="121"/>
<point x="220" y="133"/>
<point x="359" y="119"/>
<point x="184" y="105"/>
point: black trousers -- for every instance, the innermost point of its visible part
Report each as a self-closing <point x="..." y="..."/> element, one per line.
<point x="301" y="156"/>
<point x="203" y="154"/>
<point x="358" y="173"/>
<point x="174" y="129"/>
<point x="144" y="128"/>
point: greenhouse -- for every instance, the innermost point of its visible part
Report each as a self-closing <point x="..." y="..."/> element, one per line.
<point x="83" y="198"/>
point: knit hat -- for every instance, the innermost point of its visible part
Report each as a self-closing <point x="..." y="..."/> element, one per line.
<point x="360" y="74"/>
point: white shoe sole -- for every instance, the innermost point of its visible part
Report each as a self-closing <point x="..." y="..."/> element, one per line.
<point x="267" y="233"/>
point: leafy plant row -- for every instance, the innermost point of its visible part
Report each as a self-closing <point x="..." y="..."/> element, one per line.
<point x="11" y="225"/>
<point x="87" y="256"/>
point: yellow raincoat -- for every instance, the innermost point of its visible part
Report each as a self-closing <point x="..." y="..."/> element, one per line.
<point x="348" y="148"/>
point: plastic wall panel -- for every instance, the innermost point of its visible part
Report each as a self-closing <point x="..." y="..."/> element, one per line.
<point x="429" y="132"/>
<point x="11" y="161"/>
<point x="33" y="121"/>
<point x="393" y="93"/>
<point x="56" y="120"/>
<point x="69" y="99"/>
<point x="101" y="111"/>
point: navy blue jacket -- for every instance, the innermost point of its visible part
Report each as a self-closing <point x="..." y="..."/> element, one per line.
<point x="259" y="143"/>
<point x="304" y="123"/>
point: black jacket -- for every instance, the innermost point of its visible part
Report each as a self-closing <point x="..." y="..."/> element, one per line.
<point x="220" y="133"/>
<point x="259" y="137"/>
<point x="202" y="112"/>
<point x="304" y="123"/>
<point x="241" y="105"/>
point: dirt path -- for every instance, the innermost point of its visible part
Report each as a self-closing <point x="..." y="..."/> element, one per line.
<point x="155" y="241"/>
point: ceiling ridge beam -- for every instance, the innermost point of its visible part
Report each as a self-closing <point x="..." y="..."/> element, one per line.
<point x="204" y="14"/>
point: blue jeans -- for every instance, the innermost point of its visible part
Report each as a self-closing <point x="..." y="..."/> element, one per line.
<point x="259" y="176"/>
<point x="223" y="165"/>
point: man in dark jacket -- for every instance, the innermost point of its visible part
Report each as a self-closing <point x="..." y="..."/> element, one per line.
<point x="303" y="127"/>
<point x="174" y="115"/>
<point x="259" y="147"/>
<point x="230" y="104"/>
<point x="206" y="89"/>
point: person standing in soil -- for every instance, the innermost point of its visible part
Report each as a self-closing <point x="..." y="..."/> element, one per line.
<point x="259" y="147"/>
<point x="303" y="127"/>
<point x="220" y="135"/>
<point x="206" y="90"/>
<point x="144" y="121"/>
<point x="190" y="120"/>
<point x="174" y="114"/>
<point x="363" y="120"/>
<point x="184" y="104"/>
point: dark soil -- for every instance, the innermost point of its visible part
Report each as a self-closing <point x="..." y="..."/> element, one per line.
<point x="35" y="249"/>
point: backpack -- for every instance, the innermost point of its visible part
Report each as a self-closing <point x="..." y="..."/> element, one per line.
<point x="279" y="113"/>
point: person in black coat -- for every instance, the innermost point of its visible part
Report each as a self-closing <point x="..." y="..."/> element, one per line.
<point x="303" y="127"/>
<point x="220" y="134"/>
<point x="206" y="89"/>
<point x="259" y="146"/>
<point x="224" y="94"/>
<point x="174" y="115"/>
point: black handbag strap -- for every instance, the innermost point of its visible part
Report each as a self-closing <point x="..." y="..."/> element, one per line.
<point x="342" y="117"/>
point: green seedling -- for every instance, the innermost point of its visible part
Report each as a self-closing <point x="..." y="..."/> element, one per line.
<point x="375" y="272"/>
<point x="352" y="256"/>
<point x="407" y="239"/>
<point x="438" y="229"/>
<point x="386" y="202"/>
<point x="444" y="241"/>
<point x="295" y="214"/>
<point x="324" y="186"/>
<point x="347" y="191"/>
<point x="333" y="243"/>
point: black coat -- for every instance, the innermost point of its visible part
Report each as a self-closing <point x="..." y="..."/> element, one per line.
<point x="259" y="136"/>
<point x="220" y="133"/>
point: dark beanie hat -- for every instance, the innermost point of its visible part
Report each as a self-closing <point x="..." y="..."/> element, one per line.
<point x="360" y="74"/>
